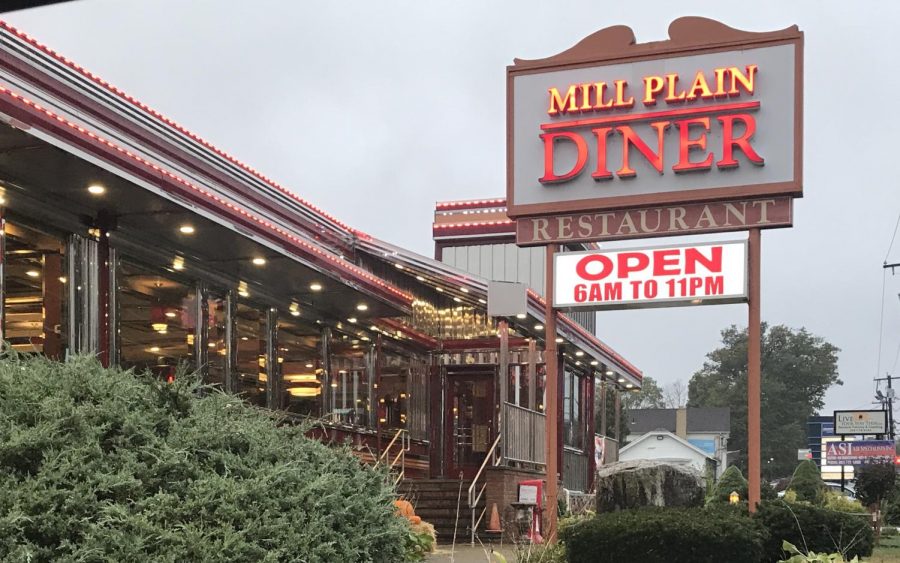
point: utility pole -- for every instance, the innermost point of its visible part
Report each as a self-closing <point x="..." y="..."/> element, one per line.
<point x="889" y="399"/>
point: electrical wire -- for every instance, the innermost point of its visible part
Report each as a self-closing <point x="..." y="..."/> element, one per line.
<point x="893" y="237"/>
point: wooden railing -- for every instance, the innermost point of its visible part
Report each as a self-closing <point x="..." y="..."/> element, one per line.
<point x="525" y="435"/>
<point x="575" y="469"/>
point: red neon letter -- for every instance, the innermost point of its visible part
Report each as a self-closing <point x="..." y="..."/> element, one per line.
<point x="742" y="142"/>
<point x="686" y="144"/>
<point x="630" y="138"/>
<point x="549" y="139"/>
<point x="626" y="265"/>
<point x="581" y="268"/>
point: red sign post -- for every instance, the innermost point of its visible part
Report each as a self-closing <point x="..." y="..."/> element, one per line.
<point x="611" y="139"/>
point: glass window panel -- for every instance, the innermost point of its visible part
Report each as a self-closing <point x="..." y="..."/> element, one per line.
<point x="250" y="376"/>
<point x="157" y="320"/>
<point x="300" y="356"/>
<point x="35" y="301"/>
<point x="217" y="344"/>
<point x="349" y="381"/>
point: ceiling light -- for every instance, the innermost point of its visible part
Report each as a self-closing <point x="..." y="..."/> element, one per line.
<point x="63" y="279"/>
<point x="154" y="349"/>
<point x="521" y="316"/>
<point x="186" y="229"/>
<point x="457" y="299"/>
<point x="159" y="327"/>
<point x="579" y="353"/>
<point x="629" y="386"/>
<point x="482" y="301"/>
<point x="399" y="266"/>
<point x="362" y="307"/>
<point x="578" y="363"/>
<point x="559" y="340"/>
<point x="2" y="200"/>
<point x="464" y="290"/>
<point x="244" y="338"/>
<point x="96" y="189"/>
<point x="351" y="320"/>
<point x="621" y="380"/>
<point x="609" y="372"/>
<point x="439" y="290"/>
<point x="309" y="366"/>
<point x="259" y="261"/>
<point x="32" y="273"/>
<point x="594" y="362"/>
<point x="315" y="286"/>
<point x="211" y="345"/>
<point x="295" y="313"/>
<point x="538" y="327"/>
<point x="178" y="263"/>
<point x="171" y="314"/>
<point x="243" y="293"/>
<point x="420" y="278"/>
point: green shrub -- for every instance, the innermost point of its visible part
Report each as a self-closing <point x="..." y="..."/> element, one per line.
<point x="807" y="482"/>
<point x="731" y="480"/>
<point x="875" y="482"/>
<point x="814" y="529"/>
<point x="798" y="556"/>
<point x="838" y="502"/>
<point x="102" y="465"/>
<point x="665" y="535"/>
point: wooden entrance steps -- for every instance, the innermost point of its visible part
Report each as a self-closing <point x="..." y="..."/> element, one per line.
<point x="436" y="500"/>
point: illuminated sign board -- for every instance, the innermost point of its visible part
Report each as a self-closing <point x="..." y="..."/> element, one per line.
<point x="651" y="277"/>
<point x="612" y="125"/>
<point x="860" y="452"/>
<point x="858" y="423"/>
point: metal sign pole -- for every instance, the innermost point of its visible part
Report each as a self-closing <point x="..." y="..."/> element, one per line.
<point x="753" y="373"/>
<point x="551" y="404"/>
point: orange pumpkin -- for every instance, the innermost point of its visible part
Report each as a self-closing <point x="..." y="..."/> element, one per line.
<point x="404" y="507"/>
<point x="415" y="519"/>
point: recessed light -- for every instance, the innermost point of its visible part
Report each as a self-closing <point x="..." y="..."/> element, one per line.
<point x="420" y="278"/>
<point x="538" y="327"/>
<point x="521" y="316"/>
<point x="439" y="290"/>
<point x="243" y="293"/>
<point x="399" y="266"/>
<point x="559" y="340"/>
<point x="32" y="273"/>
<point x="63" y="279"/>
<point x="482" y="301"/>
<point x="211" y="345"/>
<point x="178" y="263"/>
<point x="315" y="286"/>
<point x="244" y="338"/>
<point x="464" y="290"/>
<point x="457" y="299"/>
<point x="579" y="353"/>
<point x="309" y="366"/>
<point x="629" y="386"/>
<point x="96" y="189"/>
<point x="295" y="313"/>
<point x="594" y="362"/>
<point x="621" y="380"/>
<point x="186" y="229"/>
<point x="154" y="349"/>
<point x="259" y="261"/>
<point x="362" y="307"/>
<point x="171" y="314"/>
<point x="609" y="372"/>
<point x="351" y="320"/>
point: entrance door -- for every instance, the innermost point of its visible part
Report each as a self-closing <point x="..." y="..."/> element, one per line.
<point x="470" y="420"/>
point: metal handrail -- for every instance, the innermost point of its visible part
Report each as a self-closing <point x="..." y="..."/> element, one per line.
<point x="405" y="445"/>
<point x="473" y="500"/>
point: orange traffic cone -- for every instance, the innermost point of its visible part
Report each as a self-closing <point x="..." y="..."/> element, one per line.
<point x="494" y="524"/>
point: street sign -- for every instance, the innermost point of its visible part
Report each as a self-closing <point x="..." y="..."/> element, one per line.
<point x="860" y="423"/>
<point x="804" y="453"/>
<point x="860" y="452"/>
<point x="651" y="277"/>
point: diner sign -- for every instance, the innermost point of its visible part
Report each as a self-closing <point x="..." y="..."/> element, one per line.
<point x="613" y="125"/>
<point x="651" y="277"/>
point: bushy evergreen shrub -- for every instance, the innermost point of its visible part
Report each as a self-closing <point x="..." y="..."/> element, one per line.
<point x="807" y="482"/>
<point x="731" y="480"/>
<point x="813" y="529"/>
<point x="102" y="465"/>
<point x="665" y="535"/>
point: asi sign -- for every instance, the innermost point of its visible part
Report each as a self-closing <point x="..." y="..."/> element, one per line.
<point x="711" y="115"/>
<point x="860" y="423"/>
<point x="651" y="277"/>
<point x="859" y="452"/>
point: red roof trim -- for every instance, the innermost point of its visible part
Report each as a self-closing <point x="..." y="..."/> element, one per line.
<point x="470" y="204"/>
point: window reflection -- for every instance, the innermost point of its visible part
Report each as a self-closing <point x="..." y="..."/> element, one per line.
<point x="157" y="321"/>
<point x="299" y="350"/>
<point x="251" y="354"/>
<point x="349" y="381"/>
<point x="35" y="301"/>
<point x="217" y="318"/>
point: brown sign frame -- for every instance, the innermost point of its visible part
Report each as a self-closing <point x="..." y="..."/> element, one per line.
<point x="617" y="44"/>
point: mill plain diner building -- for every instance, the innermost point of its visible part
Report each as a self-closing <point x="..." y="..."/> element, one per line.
<point x="128" y="237"/>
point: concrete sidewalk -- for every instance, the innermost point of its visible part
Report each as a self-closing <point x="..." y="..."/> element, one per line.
<point x="469" y="554"/>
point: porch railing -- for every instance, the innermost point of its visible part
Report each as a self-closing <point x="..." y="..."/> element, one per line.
<point x="493" y="458"/>
<point x="526" y="435"/>
<point x="394" y="455"/>
<point x="575" y="469"/>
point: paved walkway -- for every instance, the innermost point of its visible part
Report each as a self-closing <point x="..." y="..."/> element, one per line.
<point x="469" y="554"/>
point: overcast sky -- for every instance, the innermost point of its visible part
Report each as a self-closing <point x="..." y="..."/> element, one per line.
<point x="375" y="110"/>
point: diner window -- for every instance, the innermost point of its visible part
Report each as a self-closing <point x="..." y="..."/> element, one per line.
<point x="300" y="364"/>
<point x="541" y="382"/>
<point x="250" y="366"/>
<point x="217" y="319"/>
<point x="402" y="394"/>
<point x="349" y="381"/>
<point x="573" y="411"/>
<point x="157" y="321"/>
<point x="35" y="303"/>
<point x="518" y="385"/>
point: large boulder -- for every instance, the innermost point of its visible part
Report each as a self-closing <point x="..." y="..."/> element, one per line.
<point x="633" y="484"/>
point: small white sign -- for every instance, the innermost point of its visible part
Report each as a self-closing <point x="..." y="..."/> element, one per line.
<point x="651" y="277"/>
<point x="528" y="494"/>
<point x="853" y="423"/>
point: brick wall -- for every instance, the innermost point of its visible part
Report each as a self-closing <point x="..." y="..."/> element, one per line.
<point x="502" y="488"/>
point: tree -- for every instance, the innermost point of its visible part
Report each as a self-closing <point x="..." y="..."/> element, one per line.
<point x="102" y="465"/>
<point x="797" y="370"/>
<point x="875" y="482"/>
<point x="675" y="394"/>
<point x="649" y="397"/>
<point x="731" y="480"/>
<point x="807" y="482"/>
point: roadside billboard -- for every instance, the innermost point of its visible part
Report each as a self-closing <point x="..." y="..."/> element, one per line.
<point x="860" y="423"/>
<point x="859" y="452"/>
<point x="661" y="276"/>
